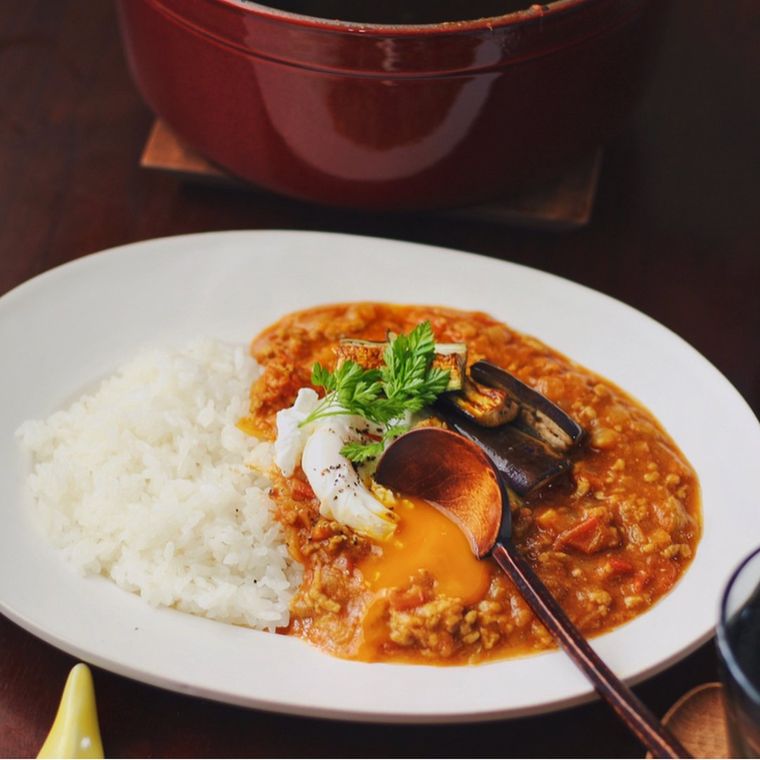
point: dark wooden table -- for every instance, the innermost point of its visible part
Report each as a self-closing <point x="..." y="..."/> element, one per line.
<point x="676" y="233"/>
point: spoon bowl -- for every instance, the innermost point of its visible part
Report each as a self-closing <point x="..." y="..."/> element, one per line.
<point x="456" y="477"/>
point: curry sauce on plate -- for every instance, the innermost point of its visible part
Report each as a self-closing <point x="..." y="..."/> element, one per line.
<point x="608" y="540"/>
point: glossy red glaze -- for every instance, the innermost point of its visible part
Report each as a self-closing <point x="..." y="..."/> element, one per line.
<point x="390" y="117"/>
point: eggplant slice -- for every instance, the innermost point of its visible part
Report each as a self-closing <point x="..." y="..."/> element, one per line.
<point x="486" y="405"/>
<point x="370" y="354"/>
<point x="525" y="463"/>
<point x="537" y="414"/>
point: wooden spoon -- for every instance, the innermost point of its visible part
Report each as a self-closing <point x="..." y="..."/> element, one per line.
<point x="457" y="477"/>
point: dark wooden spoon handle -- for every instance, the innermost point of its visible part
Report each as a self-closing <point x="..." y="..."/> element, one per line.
<point x="652" y="734"/>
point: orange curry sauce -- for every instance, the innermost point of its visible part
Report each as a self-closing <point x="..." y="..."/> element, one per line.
<point x="608" y="541"/>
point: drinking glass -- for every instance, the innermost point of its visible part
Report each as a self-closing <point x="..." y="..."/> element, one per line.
<point x="738" y="640"/>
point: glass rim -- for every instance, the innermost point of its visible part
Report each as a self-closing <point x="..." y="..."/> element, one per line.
<point x="724" y="646"/>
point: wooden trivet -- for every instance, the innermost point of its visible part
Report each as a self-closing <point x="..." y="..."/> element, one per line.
<point x="564" y="203"/>
<point x="698" y="721"/>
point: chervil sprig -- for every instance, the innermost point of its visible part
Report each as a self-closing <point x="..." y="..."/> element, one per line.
<point x="407" y="376"/>
<point x="360" y="452"/>
<point x="405" y="384"/>
<point x="349" y="390"/>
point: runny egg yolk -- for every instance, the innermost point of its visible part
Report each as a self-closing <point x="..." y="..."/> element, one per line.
<point x="425" y="539"/>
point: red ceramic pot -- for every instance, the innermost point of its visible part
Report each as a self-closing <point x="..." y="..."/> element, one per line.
<point x="390" y="117"/>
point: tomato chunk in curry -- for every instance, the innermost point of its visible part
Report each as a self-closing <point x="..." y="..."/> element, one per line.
<point x="608" y="541"/>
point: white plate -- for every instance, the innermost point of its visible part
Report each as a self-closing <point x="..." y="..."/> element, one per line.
<point x="72" y="325"/>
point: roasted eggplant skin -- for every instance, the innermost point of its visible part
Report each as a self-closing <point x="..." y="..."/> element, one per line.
<point x="538" y="415"/>
<point x="525" y="463"/>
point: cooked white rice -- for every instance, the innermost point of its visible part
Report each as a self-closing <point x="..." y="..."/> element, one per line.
<point x="146" y="481"/>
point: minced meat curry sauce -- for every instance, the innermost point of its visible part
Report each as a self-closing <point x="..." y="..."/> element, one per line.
<point x="608" y="541"/>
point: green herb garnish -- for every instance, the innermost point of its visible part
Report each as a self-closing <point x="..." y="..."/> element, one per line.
<point x="388" y="396"/>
